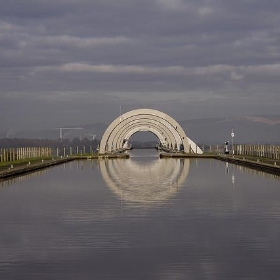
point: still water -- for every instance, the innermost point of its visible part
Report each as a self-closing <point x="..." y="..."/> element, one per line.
<point x="141" y="218"/>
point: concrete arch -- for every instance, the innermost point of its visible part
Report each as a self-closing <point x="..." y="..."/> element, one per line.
<point x="115" y="141"/>
<point x="162" y="125"/>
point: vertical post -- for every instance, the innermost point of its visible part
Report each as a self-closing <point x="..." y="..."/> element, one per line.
<point x="60" y="134"/>
<point x="232" y="135"/>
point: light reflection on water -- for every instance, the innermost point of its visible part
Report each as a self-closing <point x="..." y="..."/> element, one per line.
<point x="149" y="181"/>
<point x="141" y="218"/>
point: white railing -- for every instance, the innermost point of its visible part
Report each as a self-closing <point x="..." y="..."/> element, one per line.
<point x="14" y="154"/>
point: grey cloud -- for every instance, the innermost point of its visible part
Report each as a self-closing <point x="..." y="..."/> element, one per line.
<point x="168" y="55"/>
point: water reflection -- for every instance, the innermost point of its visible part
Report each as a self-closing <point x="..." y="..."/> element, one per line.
<point x="144" y="182"/>
<point x="18" y="179"/>
<point x="232" y="168"/>
<point x="67" y="224"/>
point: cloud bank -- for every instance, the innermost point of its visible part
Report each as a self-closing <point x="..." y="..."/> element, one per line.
<point x="74" y="62"/>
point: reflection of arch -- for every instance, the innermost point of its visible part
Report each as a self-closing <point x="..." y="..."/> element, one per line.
<point x="168" y="131"/>
<point x="144" y="182"/>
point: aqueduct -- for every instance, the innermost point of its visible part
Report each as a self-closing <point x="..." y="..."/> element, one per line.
<point x="170" y="134"/>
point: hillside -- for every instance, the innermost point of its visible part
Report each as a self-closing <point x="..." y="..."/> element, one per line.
<point x="247" y="129"/>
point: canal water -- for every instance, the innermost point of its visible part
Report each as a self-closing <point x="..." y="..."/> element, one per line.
<point x="141" y="218"/>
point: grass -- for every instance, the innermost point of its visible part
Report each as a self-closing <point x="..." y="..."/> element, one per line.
<point x="253" y="158"/>
<point x="263" y="160"/>
<point x="260" y="159"/>
<point x="22" y="162"/>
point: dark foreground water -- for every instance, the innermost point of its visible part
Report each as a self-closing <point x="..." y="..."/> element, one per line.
<point x="141" y="218"/>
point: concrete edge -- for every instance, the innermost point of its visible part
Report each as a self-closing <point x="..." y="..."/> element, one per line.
<point x="268" y="168"/>
<point x="17" y="171"/>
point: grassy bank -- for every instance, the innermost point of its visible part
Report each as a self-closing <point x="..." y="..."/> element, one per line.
<point x="23" y="162"/>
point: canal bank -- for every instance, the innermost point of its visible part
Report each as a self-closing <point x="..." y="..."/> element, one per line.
<point x="257" y="164"/>
<point x="31" y="167"/>
<point x="14" y="169"/>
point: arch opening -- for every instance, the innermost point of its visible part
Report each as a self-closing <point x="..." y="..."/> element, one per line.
<point x="143" y="138"/>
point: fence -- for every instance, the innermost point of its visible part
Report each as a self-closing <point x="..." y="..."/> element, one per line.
<point x="266" y="151"/>
<point x="14" y="154"/>
<point x="73" y="151"/>
<point x="257" y="150"/>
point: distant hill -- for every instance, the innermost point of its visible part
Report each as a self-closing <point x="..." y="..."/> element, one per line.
<point x="247" y="129"/>
<point x="87" y="132"/>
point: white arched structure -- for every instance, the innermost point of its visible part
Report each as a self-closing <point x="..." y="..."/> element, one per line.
<point x="168" y="131"/>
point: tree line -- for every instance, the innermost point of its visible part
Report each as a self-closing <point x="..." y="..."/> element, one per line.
<point x="23" y="142"/>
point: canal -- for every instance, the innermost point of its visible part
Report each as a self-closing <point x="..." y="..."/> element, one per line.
<point x="141" y="218"/>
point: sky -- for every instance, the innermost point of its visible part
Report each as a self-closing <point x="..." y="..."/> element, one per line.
<point x="75" y="62"/>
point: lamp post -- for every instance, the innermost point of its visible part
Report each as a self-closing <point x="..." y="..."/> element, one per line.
<point x="232" y="135"/>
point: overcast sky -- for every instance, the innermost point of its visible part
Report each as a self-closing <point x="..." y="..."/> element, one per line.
<point x="71" y="62"/>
